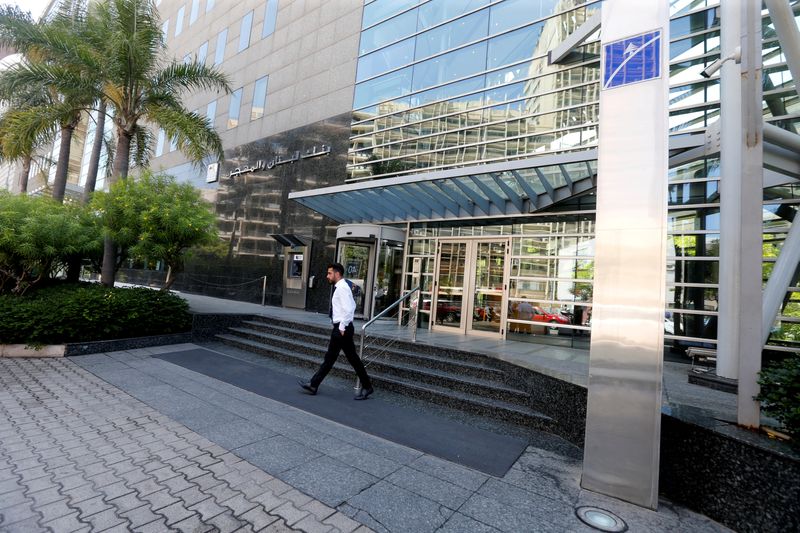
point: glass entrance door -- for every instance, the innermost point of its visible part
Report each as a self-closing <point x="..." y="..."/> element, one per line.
<point x="470" y="286"/>
<point x="357" y="261"/>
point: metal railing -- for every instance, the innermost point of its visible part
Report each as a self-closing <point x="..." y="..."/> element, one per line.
<point x="383" y="348"/>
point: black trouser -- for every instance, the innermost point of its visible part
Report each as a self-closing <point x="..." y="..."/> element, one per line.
<point x="338" y="343"/>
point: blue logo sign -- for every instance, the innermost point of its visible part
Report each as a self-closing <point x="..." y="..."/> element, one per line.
<point x="632" y="60"/>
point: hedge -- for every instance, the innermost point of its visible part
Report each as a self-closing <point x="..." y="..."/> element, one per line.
<point x="88" y="312"/>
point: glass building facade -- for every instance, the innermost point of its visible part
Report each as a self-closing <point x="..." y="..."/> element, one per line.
<point x="443" y="84"/>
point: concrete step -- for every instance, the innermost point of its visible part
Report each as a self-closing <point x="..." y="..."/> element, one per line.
<point x="433" y="392"/>
<point x="394" y="352"/>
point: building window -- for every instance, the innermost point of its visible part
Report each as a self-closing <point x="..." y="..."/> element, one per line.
<point x="244" y="35"/>
<point x="173" y="144"/>
<point x="194" y="11"/>
<point x="270" y="16"/>
<point x="209" y="5"/>
<point x="179" y="21"/>
<point x="165" y="28"/>
<point x="233" y="110"/>
<point x="259" y="98"/>
<point x="211" y="112"/>
<point x="187" y="59"/>
<point x="202" y="52"/>
<point x="160" y="143"/>
<point x="222" y="38"/>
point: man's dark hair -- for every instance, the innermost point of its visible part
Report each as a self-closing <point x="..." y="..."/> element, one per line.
<point x="337" y="267"/>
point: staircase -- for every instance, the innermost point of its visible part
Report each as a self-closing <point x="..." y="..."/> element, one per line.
<point x="469" y="382"/>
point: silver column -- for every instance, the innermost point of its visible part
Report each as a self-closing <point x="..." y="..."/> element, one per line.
<point x="623" y="423"/>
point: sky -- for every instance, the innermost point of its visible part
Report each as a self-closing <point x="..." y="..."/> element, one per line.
<point x="34" y="6"/>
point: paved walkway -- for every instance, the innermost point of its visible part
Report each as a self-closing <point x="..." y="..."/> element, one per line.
<point x="125" y="441"/>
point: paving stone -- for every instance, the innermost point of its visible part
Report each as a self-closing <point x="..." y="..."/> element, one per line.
<point x="290" y="513"/>
<point x="226" y="522"/>
<point x="269" y="501"/>
<point x="447" y="471"/>
<point x="54" y="510"/>
<point x="432" y="488"/>
<point x="459" y="523"/>
<point x="90" y="506"/>
<point x="342" y="522"/>
<point x="140" y="516"/>
<point x="163" y="474"/>
<point x="157" y="526"/>
<point x="258" y="518"/>
<point x="277" y="527"/>
<point x="10" y="485"/>
<point x="103" y="520"/>
<point x="115" y="490"/>
<point x="192" y="525"/>
<point x="310" y="524"/>
<point x="175" y="513"/>
<point x="191" y="496"/>
<point x="388" y="505"/>
<point x="23" y="526"/>
<point x="327" y="480"/>
<point x="277" y="454"/>
<point x="318" y="509"/>
<point x="159" y="499"/>
<point x="65" y="524"/>
<point x="238" y="504"/>
<point x="207" y="509"/>
<point x="44" y="497"/>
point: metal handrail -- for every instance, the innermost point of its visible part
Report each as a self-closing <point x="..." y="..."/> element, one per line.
<point x="415" y="310"/>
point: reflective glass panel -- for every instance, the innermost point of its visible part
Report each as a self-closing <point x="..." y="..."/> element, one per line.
<point x="259" y="98"/>
<point x="233" y="109"/>
<point x="270" y="17"/>
<point x="202" y="52"/>
<point x="194" y="11"/>
<point x="383" y="88"/>
<point x="380" y="9"/>
<point x="452" y="34"/>
<point x="211" y="112"/>
<point x="385" y="59"/>
<point x="436" y="11"/>
<point x="514" y="46"/>
<point x="389" y="31"/>
<point x="179" y="20"/>
<point x="244" y="34"/>
<point x="219" y="53"/>
<point x="456" y="64"/>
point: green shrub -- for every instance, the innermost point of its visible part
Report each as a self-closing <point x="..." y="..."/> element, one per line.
<point x="88" y="312"/>
<point x="780" y="393"/>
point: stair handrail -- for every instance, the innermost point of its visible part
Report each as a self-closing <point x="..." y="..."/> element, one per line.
<point x="414" y="310"/>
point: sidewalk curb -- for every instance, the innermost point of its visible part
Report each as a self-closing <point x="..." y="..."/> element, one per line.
<point x="24" y="350"/>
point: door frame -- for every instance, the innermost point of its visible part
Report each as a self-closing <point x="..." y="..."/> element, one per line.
<point x="468" y="290"/>
<point x="369" y="279"/>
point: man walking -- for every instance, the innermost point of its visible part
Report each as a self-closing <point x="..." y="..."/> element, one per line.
<point x="342" y="307"/>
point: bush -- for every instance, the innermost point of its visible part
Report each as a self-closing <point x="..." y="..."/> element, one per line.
<point x="780" y="393"/>
<point x="88" y="312"/>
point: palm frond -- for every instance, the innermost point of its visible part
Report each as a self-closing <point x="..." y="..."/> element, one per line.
<point x="179" y="76"/>
<point x="194" y="135"/>
<point x="140" y="147"/>
<point x="22" y="130"/>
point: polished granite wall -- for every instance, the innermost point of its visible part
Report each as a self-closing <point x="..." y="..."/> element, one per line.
<point x="251" y="203"/>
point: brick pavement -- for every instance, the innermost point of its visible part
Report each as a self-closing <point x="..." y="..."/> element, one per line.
<point x="78" y="454"/>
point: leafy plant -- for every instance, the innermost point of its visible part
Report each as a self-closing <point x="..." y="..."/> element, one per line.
<point x="155" y="218"/>
<point x="87" y="312"/>
<point x="780" y="393"/>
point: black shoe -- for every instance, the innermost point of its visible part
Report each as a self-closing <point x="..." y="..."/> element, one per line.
<point x="308" y="387"/>
<point x="363" y="394"/>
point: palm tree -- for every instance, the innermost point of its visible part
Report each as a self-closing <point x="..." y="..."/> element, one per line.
<point x="118" y="57"/>
<point x="60" y="100"/>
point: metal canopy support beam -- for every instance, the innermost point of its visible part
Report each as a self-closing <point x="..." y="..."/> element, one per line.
<point x="329" y="206"/>
<point x="574" y="39"/>
<point x="479" y="201"/>
<point x="495" y="198"/>
<point x="512" y="195"/>
<point x="567" y="177"/>
<point x="547" y="185"/>
<point x="386" y="209"/>
<point x="782" y="16"/>
<point x="459" y="198"/>
<point x="422" y="208"/>
<point x="409" y="207"/>
<point x="525" y="186"/>
<point x="781" y="278"/>
<point x="366" y="205"/>
<point x="363" y="208"/>
<point x="432" y="190"/>
<point x="435" y="207"/>
<point x="781" y="137"/>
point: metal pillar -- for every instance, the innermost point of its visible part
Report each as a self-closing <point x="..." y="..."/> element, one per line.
<point x="623" y="418"/>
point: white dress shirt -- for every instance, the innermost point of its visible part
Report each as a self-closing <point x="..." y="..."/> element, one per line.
<point x="343" y="305"/>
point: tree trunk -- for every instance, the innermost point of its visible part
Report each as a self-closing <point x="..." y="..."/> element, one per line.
<point x="97" y="148"/>
<point x="60" y="181"/>
<point x="121" y="157"/>
<point x="170" y="279"/>
<point x="23" y="175"/>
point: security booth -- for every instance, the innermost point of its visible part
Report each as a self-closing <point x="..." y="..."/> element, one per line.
<point x="372" y="256"/>
<point x="296" y="261"/>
